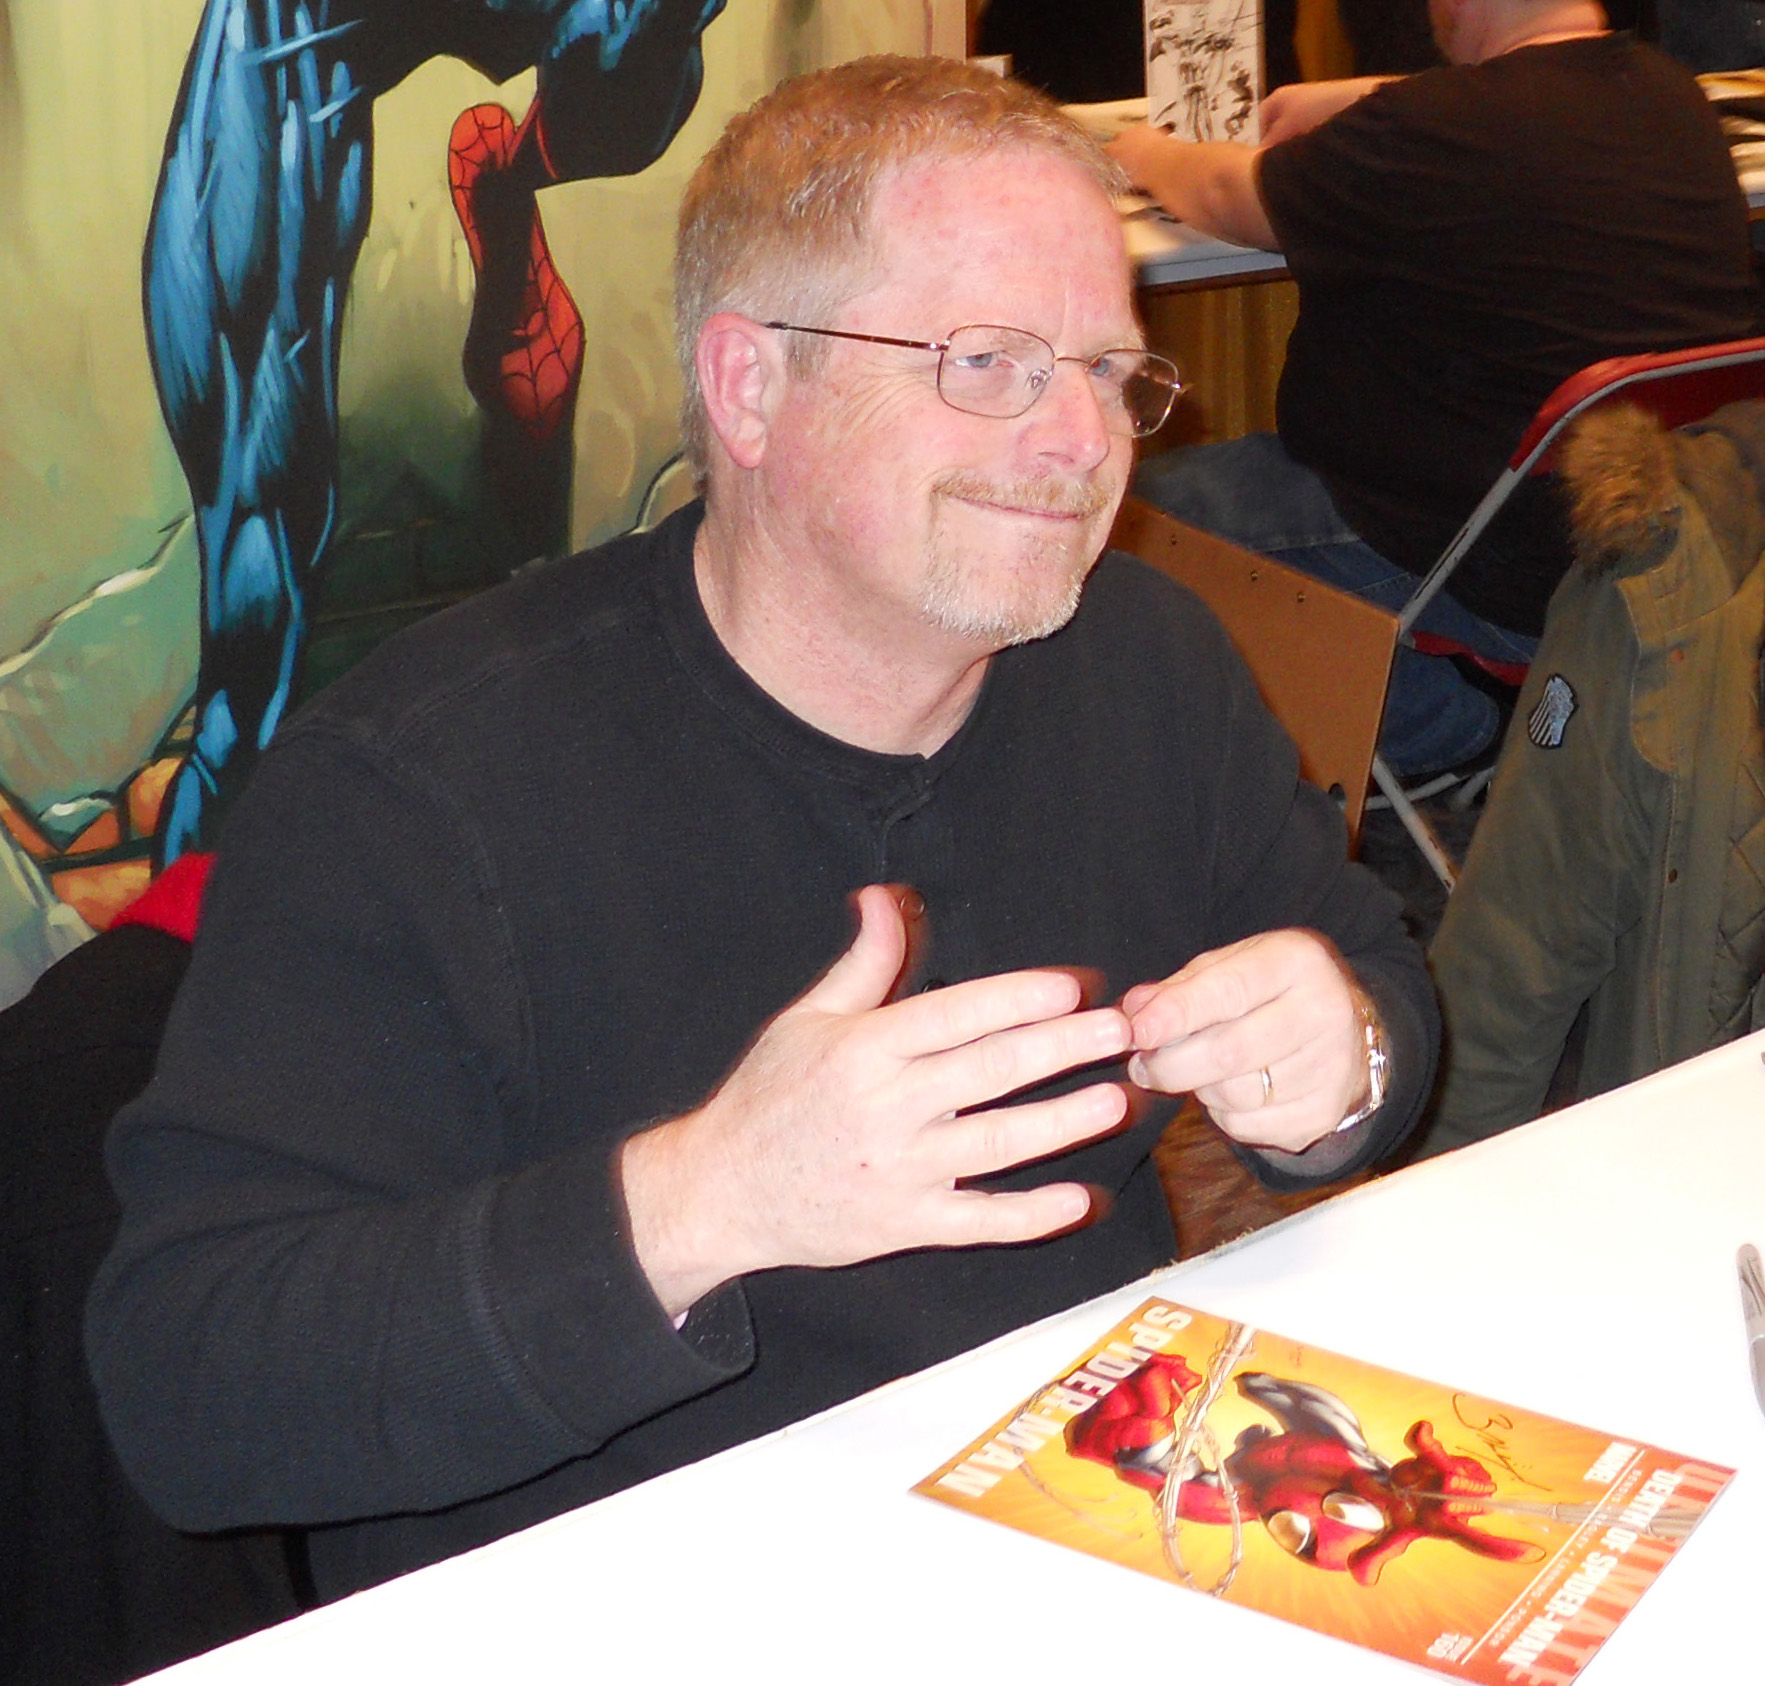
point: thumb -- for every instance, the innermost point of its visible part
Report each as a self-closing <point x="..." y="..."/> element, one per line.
<point x="864" y="975"/>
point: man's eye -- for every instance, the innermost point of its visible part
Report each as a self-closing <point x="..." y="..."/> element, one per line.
<point x="979" y="360"/>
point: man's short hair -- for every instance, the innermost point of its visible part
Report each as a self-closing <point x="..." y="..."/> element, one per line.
<point x="775" y="223"/>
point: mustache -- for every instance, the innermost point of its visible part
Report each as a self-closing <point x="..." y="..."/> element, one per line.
<point x="1046" y="496"/>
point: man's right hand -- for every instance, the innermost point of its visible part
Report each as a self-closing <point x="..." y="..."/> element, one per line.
<point x="837" y="1139"/>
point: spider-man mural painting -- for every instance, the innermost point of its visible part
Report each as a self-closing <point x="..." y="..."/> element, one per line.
<point x="263" y="201"/>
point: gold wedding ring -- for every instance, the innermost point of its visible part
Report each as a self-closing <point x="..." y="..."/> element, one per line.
<point x="1268" y="1084"/>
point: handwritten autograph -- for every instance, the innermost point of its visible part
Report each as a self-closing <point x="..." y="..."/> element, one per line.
<point x="1488" y="1433"/>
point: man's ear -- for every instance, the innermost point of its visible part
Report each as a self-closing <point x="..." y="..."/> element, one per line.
<point x="741" y="375"/>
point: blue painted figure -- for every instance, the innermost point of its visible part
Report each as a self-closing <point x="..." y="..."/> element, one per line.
<point x="263" y="201"/>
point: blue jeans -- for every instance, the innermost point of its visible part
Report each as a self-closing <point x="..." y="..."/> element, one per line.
<point x="1251" y="492"/>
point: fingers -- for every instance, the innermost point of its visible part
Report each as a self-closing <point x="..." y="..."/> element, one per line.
<point x="1215" y="989"/>
<point x="864" y="975"/>
<point x="848" y="1128"/>
<point x="961" y="1046"/>
<point x="959" y="1014"/>
<point x="1302" y="1100"/>
<point x="1294" y="1041"/>
<point x="1137" y="149"/>
<point x="1007" y="1060"/>
<point x="1281" y="1003"/>
<point x="1236" y="1009"/>
<point x="981" y="1143"/>
<point x="970" y="1218"/>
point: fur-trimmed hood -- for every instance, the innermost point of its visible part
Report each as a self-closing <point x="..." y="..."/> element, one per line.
<point x="1627" y="479"/>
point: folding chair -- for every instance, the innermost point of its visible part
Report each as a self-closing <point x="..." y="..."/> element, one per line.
<point x="1319" y="656"/>
<point x="1676" y="387"/>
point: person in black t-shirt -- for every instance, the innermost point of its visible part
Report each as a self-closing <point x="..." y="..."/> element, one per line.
<point x="1464" y="240"/>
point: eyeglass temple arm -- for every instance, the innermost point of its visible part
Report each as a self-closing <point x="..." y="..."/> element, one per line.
<point x="868" y="339"/>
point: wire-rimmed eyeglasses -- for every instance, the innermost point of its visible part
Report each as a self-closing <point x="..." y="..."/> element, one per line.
<point x="988" y="370"/>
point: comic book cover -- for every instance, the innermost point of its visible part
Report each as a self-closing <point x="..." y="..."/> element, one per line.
<point x="1475" y="1538"/>
<point x="1204" y="68"/>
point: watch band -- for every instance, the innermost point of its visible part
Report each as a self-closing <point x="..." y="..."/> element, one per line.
<point x="1378" y="1067"/>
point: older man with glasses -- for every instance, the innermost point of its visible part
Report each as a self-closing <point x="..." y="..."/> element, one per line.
<point x="533" y="1121"/>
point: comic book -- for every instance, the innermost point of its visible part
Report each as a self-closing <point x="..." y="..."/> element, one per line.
<point x="1204" y="69"/>
<point x="1475" y="1538"/>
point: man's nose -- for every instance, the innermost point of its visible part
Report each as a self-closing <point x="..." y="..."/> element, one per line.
<point x="1068" y="416"/>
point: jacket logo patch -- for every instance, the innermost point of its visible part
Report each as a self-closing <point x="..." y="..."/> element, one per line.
<point x="1544" y="725"/>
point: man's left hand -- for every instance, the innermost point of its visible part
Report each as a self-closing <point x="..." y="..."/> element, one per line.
<point x="1282" y="1003"/>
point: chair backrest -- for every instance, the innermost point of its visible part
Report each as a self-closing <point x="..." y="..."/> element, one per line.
<point x="1319" y="656"/>
<point x="1676" y="387"/>
<point x="93" y="1585"/>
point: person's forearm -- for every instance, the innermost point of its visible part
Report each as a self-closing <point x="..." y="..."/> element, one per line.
<point x="381" y="1355"/>
<point x="1224" y="197"/>
<point x="1211" y="185"/>
<point x="683" y="1249"/>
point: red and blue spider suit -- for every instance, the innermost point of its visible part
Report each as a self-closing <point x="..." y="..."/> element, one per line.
<point x="1322" y="1493"/>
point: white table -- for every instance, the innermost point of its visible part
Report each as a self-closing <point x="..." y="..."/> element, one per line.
<point x="1166" y="253"/>
<point x="1582" y="1266"/>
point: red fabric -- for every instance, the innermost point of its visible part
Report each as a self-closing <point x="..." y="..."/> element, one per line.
<point x="1432" y="644"/>
<point x="173" y="901"/>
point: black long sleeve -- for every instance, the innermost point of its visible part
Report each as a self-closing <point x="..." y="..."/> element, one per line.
<point x="530" y="880"/>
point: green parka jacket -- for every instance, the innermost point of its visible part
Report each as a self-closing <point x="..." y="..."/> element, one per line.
<point x="1620" y="862"/>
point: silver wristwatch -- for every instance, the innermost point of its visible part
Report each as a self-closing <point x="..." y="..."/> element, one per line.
<point x="1378" y="1067"/>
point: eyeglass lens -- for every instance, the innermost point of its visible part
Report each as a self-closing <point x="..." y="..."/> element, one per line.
<point x="993" y="371"/>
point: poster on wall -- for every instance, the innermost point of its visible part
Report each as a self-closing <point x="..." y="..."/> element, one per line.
<point x="1204" y="69"/>
<point x="316" y="316"/>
